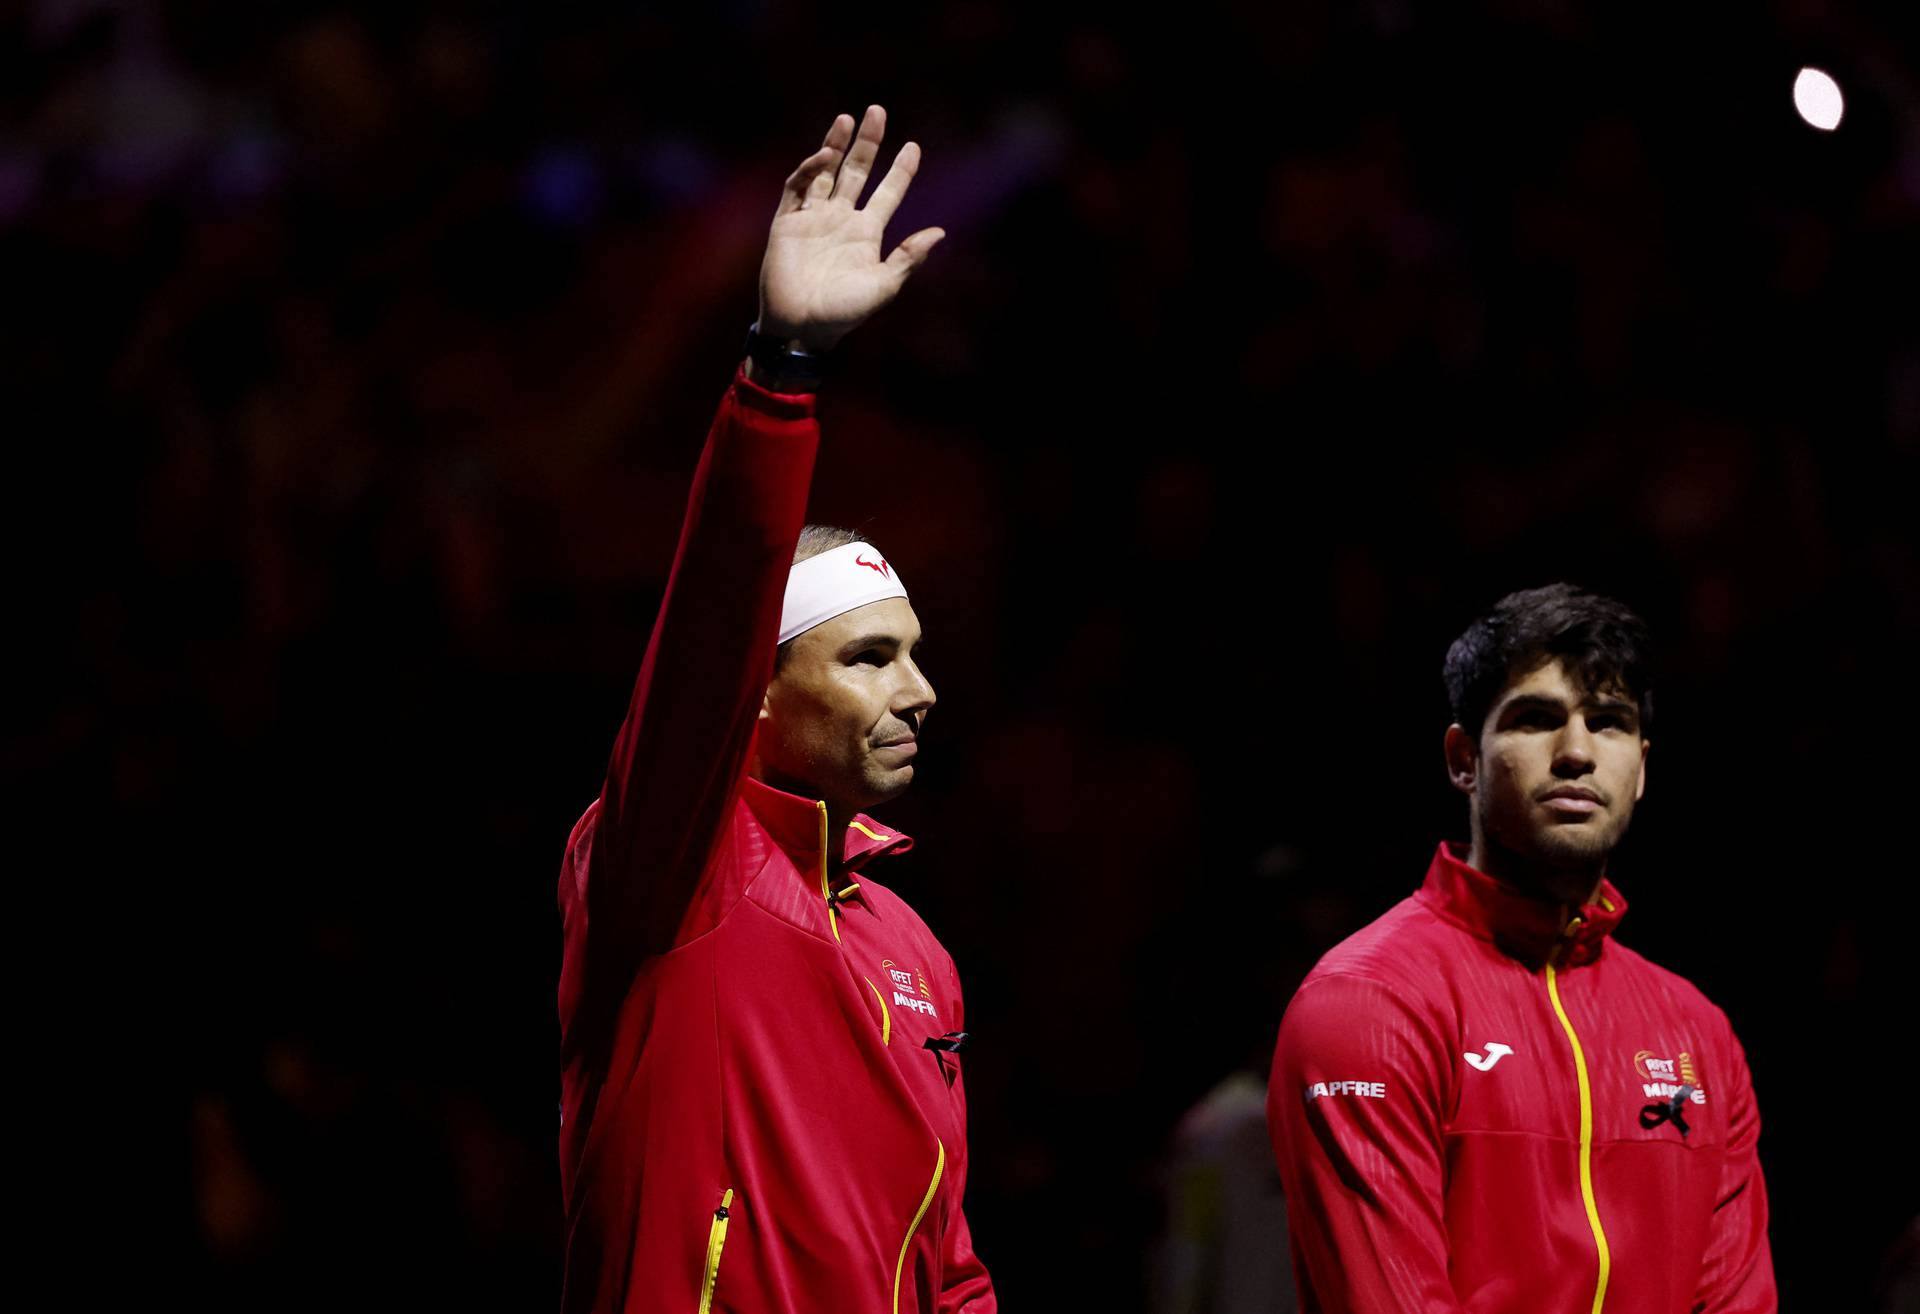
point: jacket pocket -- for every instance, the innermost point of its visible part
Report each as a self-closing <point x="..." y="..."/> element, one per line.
<point x="716" y="1242"/>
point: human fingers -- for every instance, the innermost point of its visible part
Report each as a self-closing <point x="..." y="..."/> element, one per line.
<point x="912" y="251"/>
<point x="820" y="185"/>
<point x="794" y="193"/>
<point x="866" y="146"/>
<point x="888" y="195"/>
<point x="839" y="132"/>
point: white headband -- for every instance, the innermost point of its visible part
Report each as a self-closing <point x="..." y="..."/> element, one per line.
<point x="833" y="584"/>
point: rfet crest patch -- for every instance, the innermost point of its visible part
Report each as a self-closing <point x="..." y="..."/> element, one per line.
<point x="910" y="988"/>
<point x="1662" y="1078"/>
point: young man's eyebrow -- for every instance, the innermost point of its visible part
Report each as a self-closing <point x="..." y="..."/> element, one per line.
<point x="1533" y="702"/>
<point x="1548" y="703"/>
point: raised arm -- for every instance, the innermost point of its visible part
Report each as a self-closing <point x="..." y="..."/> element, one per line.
<point x="636" y="859"/>
<point x="1354" y="1112"/>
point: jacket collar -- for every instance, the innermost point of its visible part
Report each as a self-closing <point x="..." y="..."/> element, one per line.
<point x="797" y="823"/>
<point x="1532" y="930"/>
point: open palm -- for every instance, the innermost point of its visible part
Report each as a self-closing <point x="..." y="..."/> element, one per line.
<point x="823" y="272"/>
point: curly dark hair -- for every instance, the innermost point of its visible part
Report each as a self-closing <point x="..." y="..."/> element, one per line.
<point x="1602" y="642"/>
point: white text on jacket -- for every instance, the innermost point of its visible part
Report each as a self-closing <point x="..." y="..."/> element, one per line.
<point x="1373" y="1090"/>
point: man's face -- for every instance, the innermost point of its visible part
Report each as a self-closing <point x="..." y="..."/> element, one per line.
<point x="1557" y="771"/>
<point x="842" y="718"/>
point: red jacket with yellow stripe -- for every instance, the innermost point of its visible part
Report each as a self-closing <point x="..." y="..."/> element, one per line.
<point x="1477" y="1104"/>
<point x="750" y="1117"/>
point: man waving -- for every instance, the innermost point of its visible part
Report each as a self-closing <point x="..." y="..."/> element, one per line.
<point x="762" y="1106"/>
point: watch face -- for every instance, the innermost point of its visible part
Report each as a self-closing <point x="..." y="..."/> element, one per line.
<point x="759" y="346"/>
<point x="779" y="369"/>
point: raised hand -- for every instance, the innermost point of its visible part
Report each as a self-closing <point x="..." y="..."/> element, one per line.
<point x="823" y="273"/>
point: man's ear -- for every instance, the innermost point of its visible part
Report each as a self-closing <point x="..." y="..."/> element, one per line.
<point x="1640" y="789"/>
<point x="1463" y="758"/>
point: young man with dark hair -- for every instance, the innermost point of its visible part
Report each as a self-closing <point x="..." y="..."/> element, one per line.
<point x="761" y="1098"/>
<point x="1482" y="1101"/>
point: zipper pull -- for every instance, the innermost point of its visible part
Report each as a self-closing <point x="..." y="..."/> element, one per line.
<point x="1564" y="946"/>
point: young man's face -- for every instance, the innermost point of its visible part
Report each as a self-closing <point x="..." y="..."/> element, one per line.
<point x="842" y="718"/>
<point x="1557" y="771"/>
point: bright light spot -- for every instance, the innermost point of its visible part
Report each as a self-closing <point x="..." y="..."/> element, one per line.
<point x="1817" y="97"/>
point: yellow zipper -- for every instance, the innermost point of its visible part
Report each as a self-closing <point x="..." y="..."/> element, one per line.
<point x="1586" y="1142"/>
<point x="940" y="1166"/>
<point x="826" y="890"/>
<point x="716" y="1241"/>
<point x="886" y="1014"/>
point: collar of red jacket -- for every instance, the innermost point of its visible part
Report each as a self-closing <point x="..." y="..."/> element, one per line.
<point x="1524" y="927"/>
<point x="794" y="823"/>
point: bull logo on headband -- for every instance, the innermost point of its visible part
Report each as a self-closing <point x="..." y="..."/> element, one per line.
<point x="821" y="587"/>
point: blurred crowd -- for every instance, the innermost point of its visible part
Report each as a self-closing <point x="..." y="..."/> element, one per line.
<point x="361" y="355"/>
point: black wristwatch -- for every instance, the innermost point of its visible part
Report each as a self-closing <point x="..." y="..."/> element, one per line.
<point x="784" y="369"/>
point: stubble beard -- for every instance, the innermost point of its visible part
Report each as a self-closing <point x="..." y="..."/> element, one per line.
<point x="1563" y="860"/>
<point x="885" y="784"/>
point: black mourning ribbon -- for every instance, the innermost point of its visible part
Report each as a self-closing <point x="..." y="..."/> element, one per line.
<point x="1667" y="1111"/>
<point x="951" y="1043"/>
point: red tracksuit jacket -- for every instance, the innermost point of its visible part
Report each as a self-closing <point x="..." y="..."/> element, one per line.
<point x="749" y="1118"/>
<point x="1456" y="1107"/>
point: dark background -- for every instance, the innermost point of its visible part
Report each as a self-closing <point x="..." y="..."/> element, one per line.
<point x="360" y="359"/>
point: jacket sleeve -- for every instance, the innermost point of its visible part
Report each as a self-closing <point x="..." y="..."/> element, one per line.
<point x="683" y="747"/>
<point x="966" y="1287"/>
<point x="1736" y="1274"/>
<point x="1354" y="1109"/>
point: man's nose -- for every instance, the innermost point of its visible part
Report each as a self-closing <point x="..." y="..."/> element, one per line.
<point x="1573" y="752"/>
<point x="916" y="691"/>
